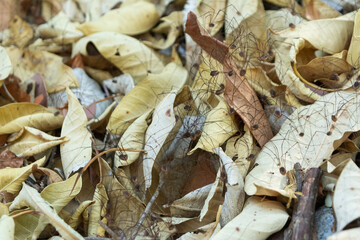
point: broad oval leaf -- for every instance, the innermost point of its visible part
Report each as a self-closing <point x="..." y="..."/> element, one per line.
<point x="131" y="19"/>
<point x="15" y="116"/>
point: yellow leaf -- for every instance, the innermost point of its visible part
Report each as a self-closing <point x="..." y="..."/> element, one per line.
<point x="218" y="127"/>
<point x="75" y="153"/>
<point x="15" y="116"/>
<point x="30" y="141"/>
<point x="127" y="53"/>
<point x="57" y="75"/>
<point x="12" y="178"/>
<point x="98" y="210"/>
<point x="130" y="19"/>
<point x="133" y="138"/>
<point x="146" y="96"/>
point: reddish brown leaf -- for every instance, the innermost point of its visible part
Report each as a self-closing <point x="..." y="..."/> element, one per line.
<point x="76" y="61"/>
<point x="202" y="175"/>
<point x="238" y="93"/>
<point x="13" y="90"/>
<point x="3" y="139"/>
<point x="9" y="159"/>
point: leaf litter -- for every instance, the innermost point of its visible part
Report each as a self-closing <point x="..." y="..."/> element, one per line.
<point x="174" y="119"/>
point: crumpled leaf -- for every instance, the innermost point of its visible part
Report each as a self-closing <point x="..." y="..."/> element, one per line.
<point x="218" y="127"/>
<point x="57" y="75"/>
<point x="127" y="53"/>
<point x="259" y="219"/>
<point x="133" y="138"/>
<point x="347" y="192"/>
<point x="5" y="65"/>
<point x="131" y="19"/>
<point x="12" y="178"/>
<point x="307" y="137"/>
<point x="57" y="199"/>
<point x="152" y="91"/>
<point x="30" y="141"/>
<point x="329" y="35"/>
<point x="7" y="227"/>
<point x="170" y="25"/>
<point x="162" y="123"/>
<point x="59" y="30"/>
<point x="238" y="93"/>
<point x="75" y="153"/>
<point x="29" y="197"/>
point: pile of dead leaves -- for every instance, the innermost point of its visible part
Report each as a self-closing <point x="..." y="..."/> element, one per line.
<point x="173" y="119"/>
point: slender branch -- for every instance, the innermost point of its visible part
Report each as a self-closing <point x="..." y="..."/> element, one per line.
<point x="109" y="231"/>
<point x="146" y="211"/>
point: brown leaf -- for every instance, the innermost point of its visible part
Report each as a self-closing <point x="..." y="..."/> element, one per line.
<point x="14" y="91"/>
<point x="238" y="93"/>
<point x="9" y="159"/>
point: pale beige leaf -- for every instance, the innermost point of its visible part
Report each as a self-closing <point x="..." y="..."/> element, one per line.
<point x="328" y="35"/>
<point x="146" y="96"/>
<point x="307" y="137"/>
<point x="57" y="75"/>
<point x="5" y="65"/>
<point x="125" y="52"/>
<point x="347" y="193"/>
<point x="259" y="219"/>
<point x="29" y="197"/>
<point x="162" y="123"/>
<point x="235" y="194"/>
<point x="7" y="227"/>
<point x="133" y="138"/>
<point x="30" y="141"/>
<point x="59" y="30"/>
<point x="211" y="14"/>
<point x="130" y="19"/>
<point x="76" y="152"/>
<point x="12" y="178"/>
<point x="353" y="53"/>
<point x="203" y="233"/>
<point x="218" y="127"/>
<point x="15" y="116"/>
<point x="349" y="234"/>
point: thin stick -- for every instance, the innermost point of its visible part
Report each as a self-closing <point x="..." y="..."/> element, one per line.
<point x="146" y="211"/>
<point x="99" y="155"/>
<point x="24" y="213"/>
<point x="109" y="231"/>
<point x="8" y="93"/>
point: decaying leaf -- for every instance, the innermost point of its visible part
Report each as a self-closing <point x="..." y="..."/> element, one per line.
<point x="244" y="101"/>
<point x="307" y="137"/>
<point x="30" y="141"/>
